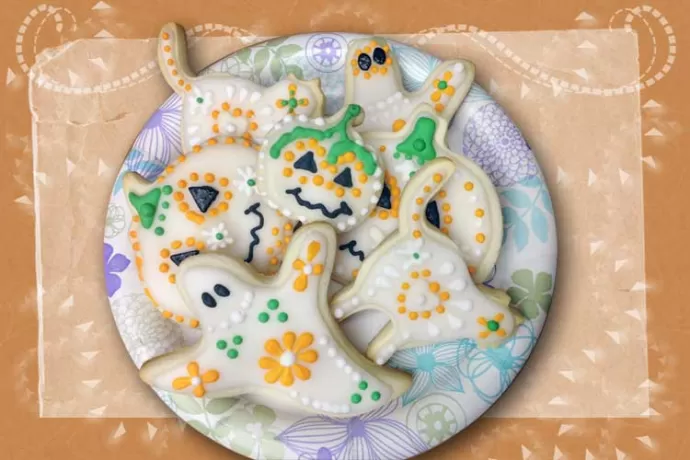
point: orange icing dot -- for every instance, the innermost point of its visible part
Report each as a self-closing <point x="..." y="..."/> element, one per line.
<point x="167" y="314"/>
<point x="177" y="244"/>
<point x="229" y="140"/>
<point x="193" y="323"/>
<point x="165" y="253"/>
<point x="426" y="314"/>
<point x="227" y="195"/>
<point x="479" y="212"/>
<point x="167" y="48"/>
<point x="441" y="309"/>
<point x="469" y="186"/>
<point x="303" y="180"/>
<point x="237" y="112"/>
<point x="209" y="177"/>
<point x="223" y="206"/>
<point x="194" y="177"/>
<point x="287" y="172"/>
<point x="165" y="36"/>
<point x="318" y="180"/>
<point x="402" y="310"/>
<point x="447" y="219"/>
<point x="339" y="192"/>
<point x="184" y="207"/>
<point x="480" y="237"/>
<point x="426" y="273"/>
<point x="212" y="141"/>
<point x="434" y="287"/>
<point x="178" y="196"/>
<point x="164" y="268"/>
<point x="413" y="315"/>
<point x="171" y="279"/>
<point x="190" y="241"/>
<point x="182" y="183"/>
<point x="196" y="149"/>
<point x="356" y="192"/>
<point x="438" y="178"/>
<point x="223" y="181"/>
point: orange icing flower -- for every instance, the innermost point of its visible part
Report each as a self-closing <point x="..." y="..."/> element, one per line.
<point x="443" y="87"/>
<point x="307" y="268"/>
<point x="283" y="364"/>
<point x="492" y="325"/>
<point x="196" y="380"/>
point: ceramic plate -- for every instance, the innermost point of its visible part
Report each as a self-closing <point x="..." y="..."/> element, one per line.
<point x="454" y="382"/>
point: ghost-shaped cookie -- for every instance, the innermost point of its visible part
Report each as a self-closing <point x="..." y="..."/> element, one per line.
<point x="419" y="279"/>
<point x="205" y="201"/>
<point x="219" y="104"/>
<point x="273" y="336"/>
<point x="320" y="170"/>
<point x="467" y="208"/>
<point x="373" y="80"/>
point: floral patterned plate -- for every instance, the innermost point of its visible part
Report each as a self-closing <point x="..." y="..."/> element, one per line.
<point x="454" y="382"/>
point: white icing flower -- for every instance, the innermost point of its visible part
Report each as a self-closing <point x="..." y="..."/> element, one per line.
<point x="199" y="100"/>
<point x="217" y="237"/>
<point x="412" y="250"/>
<point x="248" y="183"/>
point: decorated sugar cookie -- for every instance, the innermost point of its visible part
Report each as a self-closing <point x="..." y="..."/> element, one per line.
<point x="418" y="278"/>
<point x="204" y="202"/>
<point x="273" y="336"/>
<point x="221" y="104"/>
<point x="373" y="80"/>
<point x="467" y="208"/>
<point x="316" y="170"/>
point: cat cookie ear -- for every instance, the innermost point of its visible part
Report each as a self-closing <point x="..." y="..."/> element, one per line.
<point x="172" y="58"/>
<point x="420" y="190"/>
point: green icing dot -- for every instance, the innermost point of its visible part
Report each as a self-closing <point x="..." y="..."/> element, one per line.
<point x="237" y="340"/>
<point x="396" y="155"/>
<point x="273" y="304"/>
<point x="283" y="102"/>
<point x="200" y="100"/>
<point x="221" y="344"/>
<point x="147" y="210"/>
<point x="232" y="353"/>
<point x="442" y="85"/>
<point x="263" y="317"/>
<point x="376" y="396"/>
<point x="159" y="231"/>
<point x="251" y="182"/>
<point x="167" y="189"/>
<point x="356" y="398"/>
<point x="165" y="205"/>
<point x="419" y="145"/>
<point x="493" y="325"/>
<point x="219" y="236"/>
<point x="363" y="385"/>
<point x="415" y="255"/>
<point x="161" y="217"/>
<point x="282" y="317"/>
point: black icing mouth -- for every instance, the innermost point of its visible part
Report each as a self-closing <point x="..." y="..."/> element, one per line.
<point x="343" y="210"/>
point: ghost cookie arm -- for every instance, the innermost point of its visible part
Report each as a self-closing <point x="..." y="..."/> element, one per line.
<point x="447" y="86"/>
<point x="172" y="58"/>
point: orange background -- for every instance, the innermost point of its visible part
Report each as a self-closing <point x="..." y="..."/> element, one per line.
<point x="24" y="436"/>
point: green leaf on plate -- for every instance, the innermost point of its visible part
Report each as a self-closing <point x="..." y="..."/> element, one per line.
<point x="219" y="406"/>
<point x="546" y="201"/>
<point x="540" y="226"/>
<point x="277" y="41"/>
<point x="294" y="70"/>
<point x="199" y="426"/>
<point x="261" y="59"/>
<point x="286" y="51"/>
<point x="531" y="294"/>
<point x="520" y="234"/>
<point x="276" y="68"/>
<point x="517" y="198"/>
<point x="187" y="404"/>
<point x="222" y="428"/>
<point x="243" y="55"/>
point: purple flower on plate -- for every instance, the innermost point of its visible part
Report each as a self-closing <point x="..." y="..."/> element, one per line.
<point x="160" y="138"/>
<point x="370" y="436"/>
<point x="326" y="52"/>
<point x="113" y="263"/>
<point x="493" y="141"/>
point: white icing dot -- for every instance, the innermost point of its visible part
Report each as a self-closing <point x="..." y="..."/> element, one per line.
<point x="380" y="361"/>
<point x="287" y="119"/>
<point x="398" y="95"/>
<point x="319" y="121"/>
<point x="371" y="292"/>
<point x="348" y="369"/>
<point x="248" y="296"/>
<point x="356" y="377"/>
<point x="364" y="211"/>
<point x="302" y="118"/>
<point x="455" y="323"/>
<point x="266" y="111"/>
<point x="345" y="409"/>
<point x="380" y="105"/>
<point x="196" y="381"/>
<point x="323" y="341"/>
<point x="230" y="90"/>
<point x="210" y="329"/>
<point x="464" y="305"/>
<point x="374" y="199"/>
<point x="231" y="128"/>
<point x="331" y="352"/>
<point x="477" y="252"/>
<point x="286" y="212"/>
<point x="338" y="313"/>
<point x="276" y="126"/>
<point x="307" y="269"/>
<point x="224" y="325"/>
<point x="354" y="301"/>
<point x="446" y="268"/>
<point x="389" y="99"/>
<point x="351" y="221"/>
<point x="478" y="223"/>
<point x="340" y="362"/>
<point x="406" y="335"/>
<point x="473" y="198"/>
<point x="458" y="67"/>
<point x="341" y="226"/>
<point x="255" y="97"/>
<point x="293" y="394"/>
<point x="376" y="186"/>
<point x="458" y="284"/>
<point x="237" y="317"/>
<point x="287" y="359"/>
<point x="378" y="172"/>
<point x="316" y="405"/>
<point x="306" y="400"/>
<point x="302" y="219"/>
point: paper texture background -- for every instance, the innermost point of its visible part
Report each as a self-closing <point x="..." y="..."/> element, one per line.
<point x="596" y="357"/>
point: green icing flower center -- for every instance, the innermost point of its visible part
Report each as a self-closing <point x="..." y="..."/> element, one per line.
<point x="493" y="325"/>
<point x="442" y="84"/>
<point x="200" y="100"/>
<point x="219" y="236"/>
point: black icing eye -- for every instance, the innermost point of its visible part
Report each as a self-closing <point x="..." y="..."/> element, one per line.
<point x="432" y="214"/>
<point x="379" y="56"/>
<point x="203" y="196"/>
<point x="221" y="290"/>
<point x="385" y="198"/>
<point x="306" y="162"/>
<point x="208" y="300"/>
<point x="178" y="258"/>
<point x="344" y="178"/>
<point x="364" y="61"/>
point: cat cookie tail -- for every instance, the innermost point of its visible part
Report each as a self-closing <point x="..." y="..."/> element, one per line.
<point x="421" y="189"/>
<point x="172" y="58"/>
